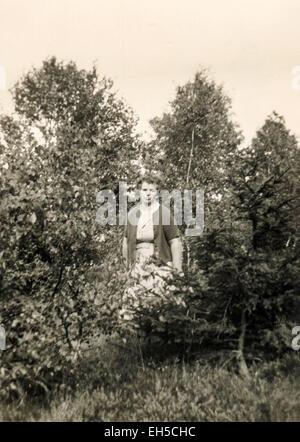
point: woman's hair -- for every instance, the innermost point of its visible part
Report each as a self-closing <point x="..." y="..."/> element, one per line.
<point x="149" y="178"/>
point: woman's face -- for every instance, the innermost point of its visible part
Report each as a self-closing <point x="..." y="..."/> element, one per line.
<point x="148" y="192"/>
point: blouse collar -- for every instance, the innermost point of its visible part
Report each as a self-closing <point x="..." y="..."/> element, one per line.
<point x="153" y="207"/>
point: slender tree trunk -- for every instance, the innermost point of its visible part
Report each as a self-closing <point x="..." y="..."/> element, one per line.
<point x="191" y="156"/>
<point x="242" y="363"/>
<point x="187" y="182"/>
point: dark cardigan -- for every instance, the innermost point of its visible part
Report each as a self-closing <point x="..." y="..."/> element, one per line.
<point x="162" y="235"/>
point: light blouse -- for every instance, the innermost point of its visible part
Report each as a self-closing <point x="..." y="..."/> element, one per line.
<point x="145" y="231"/>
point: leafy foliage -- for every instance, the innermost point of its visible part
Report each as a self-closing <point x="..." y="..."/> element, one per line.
<point x="62" y="282"/>
<point x="169" y="309"/>
<point x="59" y="149"/>
<point x="197" y="139"/>
<point x="248" y="250"/>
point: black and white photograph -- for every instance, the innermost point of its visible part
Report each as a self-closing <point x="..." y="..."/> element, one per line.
<point x="149" y="214"/>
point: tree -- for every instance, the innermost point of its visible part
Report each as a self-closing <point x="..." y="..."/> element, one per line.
<point x="197" y="138"/>
<point x="272" y="170"/>
<point x="267" y="191"/>
<point x="248" y="250"/>
<point x="251" y="252"/>
<point x="69" y="137"/>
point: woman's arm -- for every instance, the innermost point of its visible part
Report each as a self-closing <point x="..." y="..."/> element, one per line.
<point x="176" y="251"/>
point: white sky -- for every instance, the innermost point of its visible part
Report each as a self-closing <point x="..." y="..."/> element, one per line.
<point x="148" y="47"/>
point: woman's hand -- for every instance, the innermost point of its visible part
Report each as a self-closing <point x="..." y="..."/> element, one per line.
<point x="176" y="251"/>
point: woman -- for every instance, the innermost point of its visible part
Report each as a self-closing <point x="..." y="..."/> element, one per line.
<point x="143" y="239"/>
<point x="152" y="250"/>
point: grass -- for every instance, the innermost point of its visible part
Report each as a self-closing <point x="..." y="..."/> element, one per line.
<point x="125" y="384"/>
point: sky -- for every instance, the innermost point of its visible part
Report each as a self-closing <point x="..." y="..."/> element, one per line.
<point x="149" y="47"/>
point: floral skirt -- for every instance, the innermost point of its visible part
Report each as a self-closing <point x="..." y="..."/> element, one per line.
<point x="150" y="289"/>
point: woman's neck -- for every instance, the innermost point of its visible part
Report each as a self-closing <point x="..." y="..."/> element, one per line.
<point x="153" y="205"/>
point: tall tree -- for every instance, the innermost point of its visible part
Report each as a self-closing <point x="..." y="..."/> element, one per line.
<point x="251" y="253"/>
<point x="267" y="196"/>
<point x="197" y="138"/>
<point x="271" y="171"/>
<point x="69" y="137"/>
